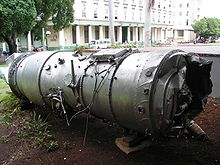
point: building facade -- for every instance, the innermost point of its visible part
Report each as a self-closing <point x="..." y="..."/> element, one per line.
<point x="186" y="12"/>
<point x="170" y="21"/>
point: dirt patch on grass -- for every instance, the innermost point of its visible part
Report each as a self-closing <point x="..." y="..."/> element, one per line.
<point x="100" y="147"/>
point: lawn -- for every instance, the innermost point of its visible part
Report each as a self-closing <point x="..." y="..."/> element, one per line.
<point x="3" y="87"/>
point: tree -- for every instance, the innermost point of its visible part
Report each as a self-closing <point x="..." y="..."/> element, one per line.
<point x="147" y="22"/>
<point x="20" y="16"/>
<point x="207" y="28"/>
<point x="111" y="22"/>
<point x="59" y="11"/>
<point x="16" y="17"/>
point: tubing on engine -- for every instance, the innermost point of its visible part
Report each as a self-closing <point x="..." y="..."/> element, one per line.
<point x="143" y="91"/>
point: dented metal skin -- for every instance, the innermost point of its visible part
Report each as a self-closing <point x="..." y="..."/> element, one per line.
<point x="147" y="92"/>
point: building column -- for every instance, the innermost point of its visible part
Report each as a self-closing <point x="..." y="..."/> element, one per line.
<point x="143" y="33"/>
<point x="120" y="34"/>
<point x="17" y="43"/>
<point x="136" y="34"/>
<point x="78" y="34"/>
<point x="90" y="33"/>
<point x="101" y="36"/>
<point x="165" y="34"/>
<point x="155" y="35"/>
<point x="175" y="34"/>
<point x="61" y="38"/>
<point x="152" y="35"/>
<point x="29" y="45"/>
<point x="3" y="46"/>
<point x="128" y="35"/>
<point x="160" y="34"/>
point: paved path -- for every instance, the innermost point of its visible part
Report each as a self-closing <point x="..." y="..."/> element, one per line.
<point x="201" y="49"/>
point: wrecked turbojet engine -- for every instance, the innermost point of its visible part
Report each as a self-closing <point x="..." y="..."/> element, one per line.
<point x="147" y="92"/>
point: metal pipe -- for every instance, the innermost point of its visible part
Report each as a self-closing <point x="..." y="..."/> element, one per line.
<point x="142" y="91"/>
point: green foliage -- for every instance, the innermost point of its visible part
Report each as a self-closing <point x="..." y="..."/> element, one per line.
<point x="62" y="14"/>
<point x="20" y="16"/>
<point x="25" y="124"/>
<point x="11" y="102"/>
<point x="60" y="11"/>
<point x="4" y="138"/>
<point x="207" y="27"/>
<point x="16" y="16"/>
<point x="37" y="129"/>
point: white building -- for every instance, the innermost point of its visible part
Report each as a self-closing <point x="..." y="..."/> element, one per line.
<point x="186" y="12"/>
<point x="170" y="20"/>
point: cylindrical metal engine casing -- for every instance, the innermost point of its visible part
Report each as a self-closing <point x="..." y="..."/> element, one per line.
<point x="136" y="90"/>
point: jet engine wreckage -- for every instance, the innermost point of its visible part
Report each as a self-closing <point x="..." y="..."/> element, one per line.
<point x="150" y="93"/>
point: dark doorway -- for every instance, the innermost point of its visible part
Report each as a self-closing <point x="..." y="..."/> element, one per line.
<point x="74" y="33"/>
<point x="86" y="34"/>
<point x="124" y="34"/>
<point x="96" y="32"/>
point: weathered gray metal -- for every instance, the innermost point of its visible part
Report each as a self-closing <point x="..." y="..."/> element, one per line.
<point x="146" y="92"/>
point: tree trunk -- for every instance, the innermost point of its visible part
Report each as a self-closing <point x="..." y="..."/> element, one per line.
<point x="147" y="22"/>
<point x="111" y="23"/>
<point x="11" y="41"/>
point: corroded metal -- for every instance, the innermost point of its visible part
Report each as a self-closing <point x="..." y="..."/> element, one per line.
<point x="147" y="92"/>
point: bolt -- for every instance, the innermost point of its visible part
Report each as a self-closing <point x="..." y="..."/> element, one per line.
<point x="146" y="91"/>
<point x="47" y="67"/>
<point x="140" y="109"/>
<point x="148" y="73"/>
<point x="61" y="61"/>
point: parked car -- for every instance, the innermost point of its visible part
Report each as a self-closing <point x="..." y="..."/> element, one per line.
<point x="100" y="44"/>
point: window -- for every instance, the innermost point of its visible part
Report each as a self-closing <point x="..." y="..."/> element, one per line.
<point x="116" y="12"/>
<point x="158" y="5"/>
<point x="132" y="14"/>
<point x="187" y="22"/>
<point x="158" y="17"/>
<point x="180" y="33"/>
<point x="84" y="9"/>
<point x="140" y="3"/>
<point x="153" y="16"/>
<point x="180" y="13"/>
<point x="180" y="5"/>
<point x="106" y="11"/>
<point x="187" y="5"/>
<point x="125" y="13"/>
<point x="95" y="10"/>
<point x="140" y="14"/>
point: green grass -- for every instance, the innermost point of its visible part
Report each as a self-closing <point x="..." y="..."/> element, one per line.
<point x="3" y="65"/>
<point x="4" y="88"/>
<point x="26" y="124"/>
